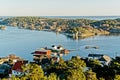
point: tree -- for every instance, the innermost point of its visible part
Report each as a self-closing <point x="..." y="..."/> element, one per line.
<point x="75" y="74"/>
<point x="52" y="76"/>
<point x="76" y="63"/>
<point x="75" y="69"/>
<point x="117" y="77"/>
<point x="62" y="63"/>
<point x="90" y="75"/>
<point x="115" y="65"/>
<point x="33" y="72"/>
<point x="93" y="63"/>
<point x="101" y="78"/>
<point x="14" y="78"/>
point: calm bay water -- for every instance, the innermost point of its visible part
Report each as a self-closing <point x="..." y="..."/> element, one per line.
<point x="84" y="17"/>
<point x="22" y="42"/>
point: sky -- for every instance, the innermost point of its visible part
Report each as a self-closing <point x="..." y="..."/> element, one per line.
<point x="59" y="8"/>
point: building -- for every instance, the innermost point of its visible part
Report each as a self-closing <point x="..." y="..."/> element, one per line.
<point x="104" y="59"/>
<point x="59" y="47"/>
<point x="17" y="68"/>
<point x="40" y="54"/>
<point x="44" y="55"/>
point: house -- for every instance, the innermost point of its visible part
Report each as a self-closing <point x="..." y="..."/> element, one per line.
<point x="94" y="56"/>
<point x="17" y="68"/>
<point x="40" y="54"/>
<point x="54" y="47"/>
<point x="57" y="47"/>
<point x="44" y="55"/>
<point x="104" y="59"/>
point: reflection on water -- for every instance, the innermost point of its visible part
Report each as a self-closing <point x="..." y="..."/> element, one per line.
<point x="74" y="37"/>
<point x="79" y="38"/>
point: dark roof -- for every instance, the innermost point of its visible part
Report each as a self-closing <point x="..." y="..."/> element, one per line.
<point x="95" y="55"/>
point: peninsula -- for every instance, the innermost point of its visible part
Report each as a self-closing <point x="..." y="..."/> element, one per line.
<point x="71" y="27"/>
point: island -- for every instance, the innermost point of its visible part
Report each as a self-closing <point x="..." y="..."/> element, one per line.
<point x="76" y="28"/>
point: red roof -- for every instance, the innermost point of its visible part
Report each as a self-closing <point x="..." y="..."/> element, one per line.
<point x="18" y="66"/>
<point x="40" y="52"/>
<point x="43" y="52"/>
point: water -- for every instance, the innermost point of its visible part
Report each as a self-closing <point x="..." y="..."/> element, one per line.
<point x="84" y="17"/>
<point x="22" y="42"/>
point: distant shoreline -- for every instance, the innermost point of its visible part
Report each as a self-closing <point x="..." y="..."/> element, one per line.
<point x="70" y="17"/>
<point x="78" y="26"/>
<point x="83" y="17"/>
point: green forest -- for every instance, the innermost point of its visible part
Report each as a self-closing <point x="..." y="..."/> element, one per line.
<point x="74" y="69"/>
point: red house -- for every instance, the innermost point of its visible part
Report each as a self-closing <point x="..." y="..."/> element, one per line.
<point x="42" y="52"/>
<point x="17" y="68"/>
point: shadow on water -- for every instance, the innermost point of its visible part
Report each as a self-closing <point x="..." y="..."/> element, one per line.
<point x="114" y="34"/>
<point x="76" y="38"/>
<point x="79" y="38"/>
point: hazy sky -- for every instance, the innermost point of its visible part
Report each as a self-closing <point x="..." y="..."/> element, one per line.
<point x="59" y="7"/>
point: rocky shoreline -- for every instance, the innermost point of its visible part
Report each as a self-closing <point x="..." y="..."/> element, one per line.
<point x="85" y="35"/>
<point x="2" y="27"/>
<point x="86" y="32"/>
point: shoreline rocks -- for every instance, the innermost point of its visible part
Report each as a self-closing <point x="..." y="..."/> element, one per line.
<point x="2" y="27"/>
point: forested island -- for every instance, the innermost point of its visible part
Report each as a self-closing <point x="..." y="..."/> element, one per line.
<point x="74" y="27"/>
